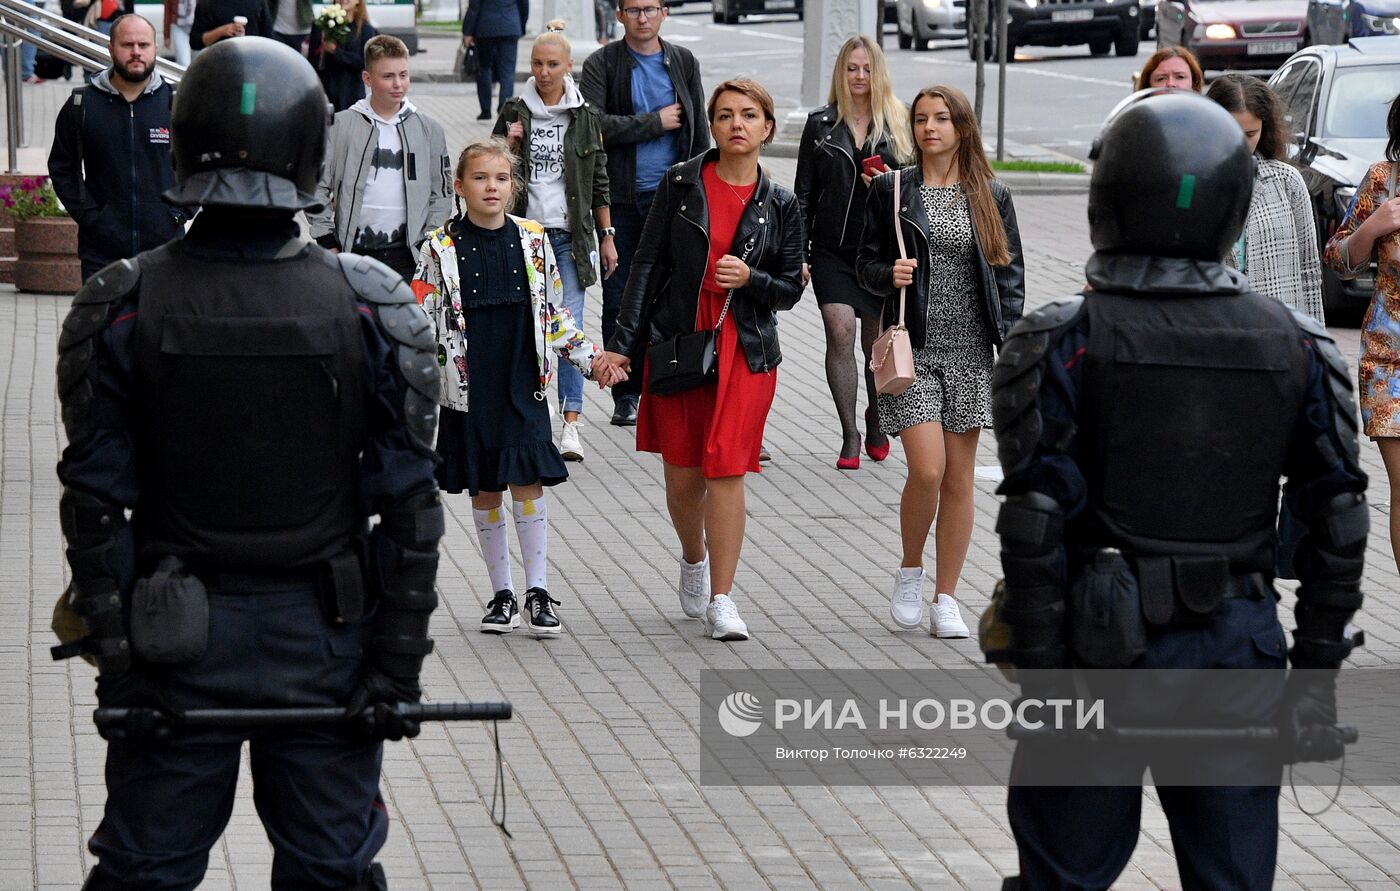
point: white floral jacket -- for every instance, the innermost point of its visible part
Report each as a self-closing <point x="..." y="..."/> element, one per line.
<point x="439" y="292"/>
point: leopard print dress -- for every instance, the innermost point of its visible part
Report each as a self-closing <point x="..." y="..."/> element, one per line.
<point x="953" y="372"/>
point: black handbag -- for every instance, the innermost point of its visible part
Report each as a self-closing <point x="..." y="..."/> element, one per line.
<point x="468" y="63"/>
<point x="687" y="361"/>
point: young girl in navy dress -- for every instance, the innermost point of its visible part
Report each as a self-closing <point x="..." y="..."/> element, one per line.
<point x="489" y="283"/>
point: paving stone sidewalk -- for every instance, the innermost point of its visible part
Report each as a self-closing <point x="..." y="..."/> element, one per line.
<point x="602" y="760"/>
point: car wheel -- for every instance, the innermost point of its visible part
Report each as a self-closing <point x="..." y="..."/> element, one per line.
<point x="905" y="40"/>
<point x="1340" y="312"/>
<point x="920" y="44"/>
<point x="1127" y="43"/>
<point x="1144" y="28"/>
<point x="1100" y="46"/>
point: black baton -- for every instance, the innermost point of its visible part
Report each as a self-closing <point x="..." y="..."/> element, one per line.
<point x="320" y="716"/>
<point x="1263" y="736"/>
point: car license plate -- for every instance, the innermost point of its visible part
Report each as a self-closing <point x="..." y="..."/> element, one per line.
<point x="780" y="4"/>
<point x="1272" y="48"/>
<point x="1072" y="15"/>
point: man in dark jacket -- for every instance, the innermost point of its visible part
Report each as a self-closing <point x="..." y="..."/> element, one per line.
<point x="216" y="20"/>
<point x="495" y="28"/>
<point x="653" y="106"/>
<point x="110" y="159"/>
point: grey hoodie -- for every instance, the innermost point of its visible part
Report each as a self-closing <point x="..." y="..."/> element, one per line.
<point x="427" y="172"/>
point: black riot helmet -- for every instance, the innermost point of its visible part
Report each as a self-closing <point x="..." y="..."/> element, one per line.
<point x="249" y="128"/>
<point x="1173" y="177"/>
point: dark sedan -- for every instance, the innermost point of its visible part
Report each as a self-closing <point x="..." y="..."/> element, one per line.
<point x="1337" y="21"/>
<point x="1250" y="34"/>
<point x="1336" y="99"/>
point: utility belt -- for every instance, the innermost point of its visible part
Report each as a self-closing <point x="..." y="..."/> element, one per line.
<point x="1114" y="599"/>
<point x="340" y="582"/>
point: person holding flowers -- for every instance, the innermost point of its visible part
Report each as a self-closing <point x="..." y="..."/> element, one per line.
<point x="337" y="50"/>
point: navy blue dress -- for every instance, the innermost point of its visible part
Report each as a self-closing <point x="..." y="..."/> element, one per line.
<point x="506" y="436"/>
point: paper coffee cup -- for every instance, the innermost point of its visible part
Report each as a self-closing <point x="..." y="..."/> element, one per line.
<point x="240" y="20"/>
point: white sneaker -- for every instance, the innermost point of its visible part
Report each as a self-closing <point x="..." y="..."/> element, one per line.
<point x="695" y="587"/>
<point x="570" y="444"/>
<point x="722" y="620"/>
<point x="946" y="620"/>
<point x="907" y="602"/>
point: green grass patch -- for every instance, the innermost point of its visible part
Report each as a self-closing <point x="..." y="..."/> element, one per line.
<point x="455" y="27"/>
<point x="1039" y="166"/>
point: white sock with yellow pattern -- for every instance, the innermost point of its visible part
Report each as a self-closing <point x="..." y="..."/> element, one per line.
<point x="491" y="532"/>
<point x="532" y="528"/>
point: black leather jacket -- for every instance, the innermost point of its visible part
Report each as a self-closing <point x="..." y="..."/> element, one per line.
<point x="828" y="185"/>
<point x="663" y="290"/>
<point x="1003" y="288"/>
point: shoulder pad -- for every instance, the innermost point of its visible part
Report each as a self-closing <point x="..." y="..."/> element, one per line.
<point x="819" y="110"/>
<point x="1056" y="314"/>
<point x="1338" y="374"/>
<point x="77" y="342"/>
<point x="1016" y="380"/>
<point x="403" y="321"/>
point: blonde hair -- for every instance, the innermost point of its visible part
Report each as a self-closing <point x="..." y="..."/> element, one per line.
<point x="973" y="169"/>
<point x="553" y="36"/>
<point x="888" y="116"/>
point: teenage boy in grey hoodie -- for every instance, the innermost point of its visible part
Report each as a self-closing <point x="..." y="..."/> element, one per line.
<point x="387" y="182"/>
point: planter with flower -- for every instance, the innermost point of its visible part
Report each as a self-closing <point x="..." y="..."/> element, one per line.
<point x="334" y="24"/>
<point x="46" y="238"/>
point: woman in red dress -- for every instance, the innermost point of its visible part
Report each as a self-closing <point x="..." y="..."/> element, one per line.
<point x="722" y="247"/>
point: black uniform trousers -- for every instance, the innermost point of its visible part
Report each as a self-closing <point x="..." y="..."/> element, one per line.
<point x="316" y="791"/>
<point x="1081" y="837"/>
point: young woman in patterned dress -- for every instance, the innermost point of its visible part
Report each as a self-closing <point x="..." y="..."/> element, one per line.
<point x="965" y="286"/>
<point x="1371" y="230"/>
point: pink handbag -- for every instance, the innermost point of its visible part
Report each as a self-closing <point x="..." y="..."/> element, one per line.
<point x="892" y="357"/>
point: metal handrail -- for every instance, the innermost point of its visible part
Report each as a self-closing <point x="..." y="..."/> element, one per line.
<point x="69" y="41"/>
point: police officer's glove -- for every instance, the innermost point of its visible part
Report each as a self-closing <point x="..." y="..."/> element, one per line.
<point x="128" y="689"/>
<point x="1309" y="720"/>
<point x="373" y="707"/>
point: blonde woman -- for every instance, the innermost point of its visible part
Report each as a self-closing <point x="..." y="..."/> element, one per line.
<point x="966" y="285"/>
<point x="862" y="130"/>
<point x="559" y="138"/>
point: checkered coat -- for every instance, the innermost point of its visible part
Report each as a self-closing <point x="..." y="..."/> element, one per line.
<point x="1280" y="249"/>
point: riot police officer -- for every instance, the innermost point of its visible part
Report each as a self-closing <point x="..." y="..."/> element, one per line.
<point x="251" y="401"/>
<point x="1143" y="429"/>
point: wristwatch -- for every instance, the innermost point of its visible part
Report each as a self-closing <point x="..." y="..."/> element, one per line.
<point x="607" y="232"/>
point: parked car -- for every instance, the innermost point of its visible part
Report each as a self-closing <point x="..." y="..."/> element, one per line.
<point x="1103" y="24"/>
<point x="728" y="12"/>
<point x="1335" y="101"/>
<point x="1337" y="21"/>
<point x="920" y="21"/>
<point x="1224" y="34"/>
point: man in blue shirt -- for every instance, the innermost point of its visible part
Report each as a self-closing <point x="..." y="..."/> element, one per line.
<point x="653" y="108"/>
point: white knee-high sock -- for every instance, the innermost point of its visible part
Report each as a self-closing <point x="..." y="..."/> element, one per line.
<point x="532" y="529"/>
<point x="491" y="532"/>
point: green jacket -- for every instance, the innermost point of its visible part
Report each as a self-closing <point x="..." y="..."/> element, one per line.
<point x="585" y="177"/>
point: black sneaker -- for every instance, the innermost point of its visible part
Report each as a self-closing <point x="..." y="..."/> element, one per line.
<point x="539" y="617"/>
<point x="502" y="614"/>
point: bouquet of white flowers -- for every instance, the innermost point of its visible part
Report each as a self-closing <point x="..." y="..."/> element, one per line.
<point x="334" y="23"/>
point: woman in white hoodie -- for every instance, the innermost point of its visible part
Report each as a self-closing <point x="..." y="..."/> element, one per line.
<point x="559" y="138"/>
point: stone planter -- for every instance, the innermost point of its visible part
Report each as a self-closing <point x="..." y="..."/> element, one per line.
<point x="47" y="249"/>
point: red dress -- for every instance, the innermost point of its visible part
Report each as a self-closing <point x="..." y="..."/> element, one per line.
<point x="717" y="428"/>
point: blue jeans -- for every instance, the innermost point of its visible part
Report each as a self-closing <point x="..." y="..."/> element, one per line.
<point x="628" y="220"/>
<point x="570" y="380"/>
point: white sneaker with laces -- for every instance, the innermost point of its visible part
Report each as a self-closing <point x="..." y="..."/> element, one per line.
<point x="722" y="620"/>
<point x="570" y="443"/>
<point x="695" y="587"/>
<point x="945" y="620"/>
<point x="907" y="601"/>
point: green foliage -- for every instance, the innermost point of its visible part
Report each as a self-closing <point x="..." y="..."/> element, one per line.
<point x="32" y="198"/>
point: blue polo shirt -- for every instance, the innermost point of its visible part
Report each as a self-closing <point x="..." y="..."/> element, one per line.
<point x="652" y="91"/>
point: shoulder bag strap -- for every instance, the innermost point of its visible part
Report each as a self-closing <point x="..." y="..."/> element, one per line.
<point x="899" y="240"/>
<point x="730" y="297"/>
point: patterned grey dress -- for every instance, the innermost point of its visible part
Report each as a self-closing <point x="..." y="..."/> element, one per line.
<point x="953" y="372"/>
